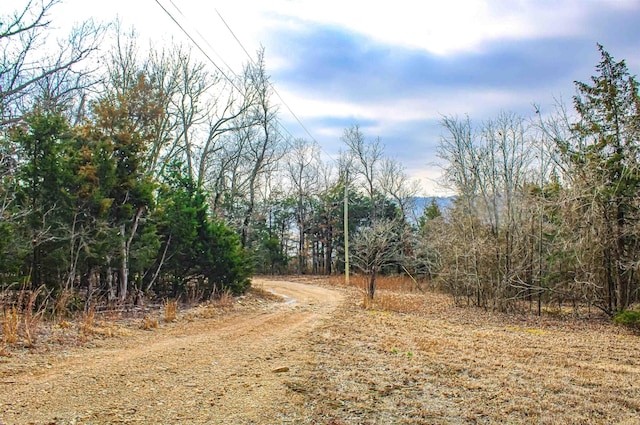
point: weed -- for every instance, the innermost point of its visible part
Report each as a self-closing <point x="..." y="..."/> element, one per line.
<point x="367" y="302"/>
<point x="400" y="303"/>
<point x="106" y="329"/>
<point x="87" y="323"/>
<point x="31" y="317"/>
<point x="527" y="330"/>
<point x="395" y="283"/>
<point x="148" y="323"/>
<point x="170" y="311"/>
<point x="628" y="318"/>
<point x="10" y="335"/>
<point x="224" y="299"/>
<point x="61" y="305"/>
<point x="263" y="294"/>
<point x="206" y="312"/>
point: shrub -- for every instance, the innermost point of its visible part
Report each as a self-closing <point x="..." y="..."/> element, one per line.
<point x="628" y="318"/>
<point x="170" y="311"/>
<point x="148" y="323"/>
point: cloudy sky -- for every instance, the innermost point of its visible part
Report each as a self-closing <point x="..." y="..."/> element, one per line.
<point x="395" y="68"/>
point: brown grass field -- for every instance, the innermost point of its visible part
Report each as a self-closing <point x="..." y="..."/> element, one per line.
<point x="416" y="358"/>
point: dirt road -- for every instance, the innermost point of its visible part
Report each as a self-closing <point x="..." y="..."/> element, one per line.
<point x="231" y="369"/>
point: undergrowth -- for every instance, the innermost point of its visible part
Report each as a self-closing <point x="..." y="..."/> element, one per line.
<point x="628" y="318"/>
<point x="148" y="323"/>
<point x="27" y="321"/>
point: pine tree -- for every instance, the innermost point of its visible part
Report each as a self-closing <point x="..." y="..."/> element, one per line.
<point x="41" y="194"/>
<point x="606" y="157"/>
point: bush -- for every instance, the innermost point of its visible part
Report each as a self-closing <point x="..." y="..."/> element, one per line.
<point x="628" y="318"/>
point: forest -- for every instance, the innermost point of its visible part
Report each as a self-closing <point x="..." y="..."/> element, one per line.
<point x="134" y="172"/>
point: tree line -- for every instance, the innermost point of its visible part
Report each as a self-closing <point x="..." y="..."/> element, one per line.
<point x="128" y="172"/>
<point x="131" y="172"/>
<point x="547" y="207"/>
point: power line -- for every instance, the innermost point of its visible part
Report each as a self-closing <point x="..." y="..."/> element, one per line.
<point x="231" y="69"/>
<point x="196" y="43"/>
<point x="234" y="36"/>
<point x="216" y="53"/>
<point x="204" y="39"/>
<point x="274" y="89"/>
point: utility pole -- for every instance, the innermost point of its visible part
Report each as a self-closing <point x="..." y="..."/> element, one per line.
<point x="346" y="227"/>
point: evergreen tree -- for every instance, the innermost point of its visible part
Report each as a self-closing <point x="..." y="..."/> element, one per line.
<point x="196" y="248"/>
<point x="41" y="195"/>
<point x="606" y="159"/>
<point x="123" y="125"/>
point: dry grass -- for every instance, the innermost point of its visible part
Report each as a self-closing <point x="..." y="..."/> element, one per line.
<point x="22" y="318"/>
<point x="170" y="311"/>
<point x="87" y="322"/>
<point x="61" y="304"/>
<point x="224" y="299"/>
<point x="108" y="329"/>
<point x="393" y="293"/>
<point x="87" y="325"/>
<point x="26" y="327"/>
<point x="31" y="318"/>
<point x="398" y="302"/>
<point x="410" y="358"/>
<point x="10" y="326"/>
<point x="148" y="323"/>
<point x="399" y="283"/>
<point x="419" y="359"/>
<point x="264" y="295"/>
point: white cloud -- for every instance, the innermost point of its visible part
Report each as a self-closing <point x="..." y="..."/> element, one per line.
<point x="476" y="103"/>
<point x="441" y="27"/>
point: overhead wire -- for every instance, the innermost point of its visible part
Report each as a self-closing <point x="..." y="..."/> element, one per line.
<point x="196" y="44"/>
<point x="220" y="57"/>
<point x="274" y="89"/>
<point x="346" y="201"/>
<point x="204" y="39"/>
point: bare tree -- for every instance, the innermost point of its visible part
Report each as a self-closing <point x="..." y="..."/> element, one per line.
<point x="394" y="183"/>
<point x="374" y="248"/>
<point x="458" y="149"/>
<point x="367" y="156"/>
<point x="166" y="68"/>
<point x="263" y="147"/>
<point x="230" y="111"/>
<point x="302" y="168"/>
<point x="490" y="166"/>
<point x="30" y="73"/>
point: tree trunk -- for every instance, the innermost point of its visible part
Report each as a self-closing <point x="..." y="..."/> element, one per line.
<point x="124" y="266"/>
<point x="372" y="284"/>
<point x="125" y="251"/>
<point x="111" y="292"/>
<point x="91" y="285"/>
<point x="329" y="251"/>
<point x="301" y="249"/>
